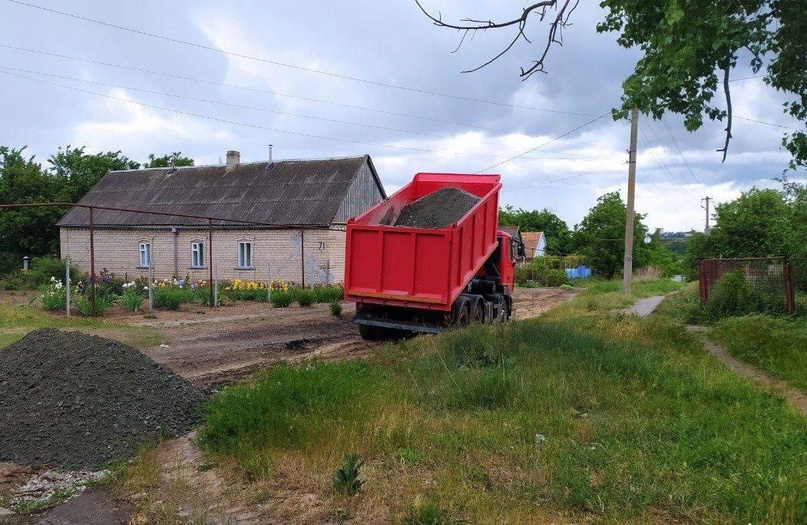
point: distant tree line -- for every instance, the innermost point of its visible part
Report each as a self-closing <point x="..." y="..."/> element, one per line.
<point x="67" y="177"/>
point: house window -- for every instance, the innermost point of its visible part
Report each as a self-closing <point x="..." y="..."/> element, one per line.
<point x="145" y="254"/>
<point x="244" y="254"/>
<point x="197" y="255"/>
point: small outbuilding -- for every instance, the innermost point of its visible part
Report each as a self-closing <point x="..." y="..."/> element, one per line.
<point x="534" y="244"/>
<point x="284" y="219"/>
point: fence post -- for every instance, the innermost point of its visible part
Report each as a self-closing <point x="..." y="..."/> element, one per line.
<point x="151" y="283"/>
<point x="702" y="280"/>
<point x="92" y="261"/>
<point x="789" y="298"/>
<point x="216" y="288"/>
<point x="302" y="257"/>
<point x="269" y="282"/>
<point x="67" y="283"/>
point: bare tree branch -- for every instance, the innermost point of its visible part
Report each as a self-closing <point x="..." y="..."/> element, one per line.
<point x="725" y="148"/>
<point x="555" y="35"/>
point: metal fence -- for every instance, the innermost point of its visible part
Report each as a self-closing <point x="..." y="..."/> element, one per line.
<point x="302" y="259"/>
<point x="773" y="277"/>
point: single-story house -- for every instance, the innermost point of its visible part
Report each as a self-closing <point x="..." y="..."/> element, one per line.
<point x="284" y="219"/>
<point x="534" y="244"/>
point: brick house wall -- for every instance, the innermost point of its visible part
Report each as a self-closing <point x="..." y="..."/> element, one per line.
<point x="275" y="250"/>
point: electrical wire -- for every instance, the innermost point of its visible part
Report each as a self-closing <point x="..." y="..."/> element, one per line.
<point x="695" y="179"/>
<point x="287" y="65"/>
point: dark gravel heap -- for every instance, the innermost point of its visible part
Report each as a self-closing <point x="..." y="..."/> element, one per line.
<point x="437" y="210"/>
<point x="78" y="401"/>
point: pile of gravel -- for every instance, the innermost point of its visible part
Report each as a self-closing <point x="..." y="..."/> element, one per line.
<point x="437" y="210"/>
<point x="73" y="400"/>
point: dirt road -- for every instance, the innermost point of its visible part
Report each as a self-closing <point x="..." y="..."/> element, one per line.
<point x="232" y="342"/>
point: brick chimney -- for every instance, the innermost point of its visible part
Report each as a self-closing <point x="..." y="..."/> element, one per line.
<point x="233" y="159"/>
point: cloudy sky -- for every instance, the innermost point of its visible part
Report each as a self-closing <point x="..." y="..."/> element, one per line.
<point x="328" y="79"/>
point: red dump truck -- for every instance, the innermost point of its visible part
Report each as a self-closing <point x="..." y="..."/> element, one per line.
<point x="430" y="257"/>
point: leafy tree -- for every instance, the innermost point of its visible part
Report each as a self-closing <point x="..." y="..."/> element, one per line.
<point x="689" y="50"/>
<point x="26" y="231"/>
<point x="757" y="224"/>
<point x="175" y="159"/>
<point x="558" y="235"/>
<point x="601" y="236"/>
<point x="76" y="171"/>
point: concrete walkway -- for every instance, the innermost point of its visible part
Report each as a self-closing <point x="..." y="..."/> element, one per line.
<point x="644" y="307"/>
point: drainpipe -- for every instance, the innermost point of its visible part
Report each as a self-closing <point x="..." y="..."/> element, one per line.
<point x="175" y="231"/>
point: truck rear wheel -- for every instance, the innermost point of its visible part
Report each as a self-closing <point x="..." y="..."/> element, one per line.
<point x="368" y="332"/>
<point x="462" y="317"/>
<point x="478" y="311"/>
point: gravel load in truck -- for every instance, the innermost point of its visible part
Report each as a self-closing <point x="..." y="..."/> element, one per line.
<point x="68" y="399"/>
<point x="437" y="210"/>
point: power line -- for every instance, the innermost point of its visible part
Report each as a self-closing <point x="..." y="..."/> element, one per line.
<point x="233" y="122"/>
<point x="675" y="142"/>
<point x="252" y="89"/>
<point x="286" y="65"/>
<point x="766" y="123"/>
<point x="658" y="141"/>
<point x="581" y="126"/>
<point x="215" y="119"/>
<point x="255" y="108"/>
<point x="660" y="163"/>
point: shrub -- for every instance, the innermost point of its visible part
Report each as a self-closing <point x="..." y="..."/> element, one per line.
<point x="346" y="478"/>
<point x="168" y="297"/>
<point x="131" y="300"/>
<point x="281" y="299"/>
<point x="732" y="295"/>
<point x="45" y="268"/>
<point x="102" y="302"/>
<point x="336" y="308"/>
<point x="543" y="276"/>
<point x="305" y="297"/>
<point x="54" y="296"/>
<point x="327" y="294"/>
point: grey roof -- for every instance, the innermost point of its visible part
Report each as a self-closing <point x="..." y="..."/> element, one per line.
<point x="282" y="193"/>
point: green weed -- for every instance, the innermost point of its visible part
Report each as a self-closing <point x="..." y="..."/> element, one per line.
<point x="346" y="478"/>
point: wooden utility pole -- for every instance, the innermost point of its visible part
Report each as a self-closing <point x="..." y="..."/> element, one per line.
<point x="706" y="199"/>
<point x="628" y="263"/>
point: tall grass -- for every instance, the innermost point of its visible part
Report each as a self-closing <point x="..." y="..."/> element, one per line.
<point x="776" y="345"/>
<point x="597" y="417"/>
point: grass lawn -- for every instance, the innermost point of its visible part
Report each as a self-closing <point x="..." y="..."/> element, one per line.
<point x="777" y="345"/>
<point x="16" y="321"/>
<point x="584" y="414"/>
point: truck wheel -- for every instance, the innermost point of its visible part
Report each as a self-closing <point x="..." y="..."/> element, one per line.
<point x="478" y="312"/>
<point x="463" y="312"/>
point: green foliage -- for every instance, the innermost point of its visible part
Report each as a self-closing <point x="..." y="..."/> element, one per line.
<point x="336" y="308"/>
<point x="288" y="406"/>
<point x="558" y="235"/>
<point x="169" y="297"/>
<point x="305" y="297"/>
<point x="174" y="159"/>
<point x="54" y="296"/>
<point x="732" y="295"/>
<point x="346" y="478"/>
<point x="541" y="276"/>
<point x="776" y="345"/>
<point x="102" y="302"/>
<point x="131" y="300"/>
<point x="281" y="299"/>
<point x="428" y="513"/>
<point x="601" y="236"/>
<point x="685" y="45"/>
<point x="328" y="294"/>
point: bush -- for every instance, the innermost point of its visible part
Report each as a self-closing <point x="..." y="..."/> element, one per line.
<point x="327" y="294"/>
<point x="281" y="299"/>
<point x="336" y="308"/>
<point x="542" y="276"/>
<point x="45" y="268"/>
<point x="732" y="295"/>
<point x="54" y="296"/>
<point x="131" y="300"/>
<point x="168" y="297"/>
<point x="346" y="478"/>
<point x="305" y="297"/>
<point x="427" y="514"/>
<point x="102" y="302"/>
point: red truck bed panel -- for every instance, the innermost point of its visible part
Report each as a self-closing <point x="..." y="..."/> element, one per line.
<point x="417" y="267"/>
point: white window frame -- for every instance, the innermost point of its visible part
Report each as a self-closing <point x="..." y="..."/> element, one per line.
<point x="145" y="254"/>
<point x="244" y="255"/>
<point x="197" y="254"/>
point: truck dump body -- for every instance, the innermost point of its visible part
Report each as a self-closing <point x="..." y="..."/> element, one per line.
<point x="418" y="267"/>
